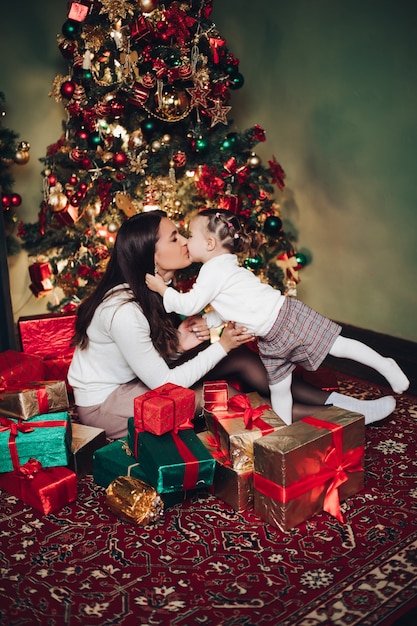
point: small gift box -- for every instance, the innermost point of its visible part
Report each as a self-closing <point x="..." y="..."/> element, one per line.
<point x="173" y="461"/>
<point x="40" y="271"/>
<point x="34" y="398"/>
<point x="234" y="488"/>
<point x="116" y="459"/>
<point x="308" y="467"/>
<point x="235" y="430"/>
<point x="134" y="501"/>
<point x="47" y="335"/>
<point x="85" y="441"/>
<point x="215" y="395"/>
<point x="46" y="437"/>
<point x="17" y="367"/>
<point x="45" y="489"/>
<point x="169" y="407"/>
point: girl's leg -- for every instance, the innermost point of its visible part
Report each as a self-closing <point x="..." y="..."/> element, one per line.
<point x="281" y="399"/>
<point x="346" y="348"/>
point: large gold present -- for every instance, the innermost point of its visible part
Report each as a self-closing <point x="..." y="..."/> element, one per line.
<point x="310" y="466"/>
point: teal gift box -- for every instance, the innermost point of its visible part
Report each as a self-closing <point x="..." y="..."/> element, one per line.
<point x="173" y="461"/>
<point x="116" y="459"/>
<point x="46" y="438"/>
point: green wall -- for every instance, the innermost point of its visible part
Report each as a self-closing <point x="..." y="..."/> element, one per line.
<point x="333" y="83"/>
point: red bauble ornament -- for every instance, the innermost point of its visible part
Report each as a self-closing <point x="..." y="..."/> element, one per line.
<point x="120" y="159"/>
<point x="52" y="180"/>
<point x="85" y="163"/>
<point x="73" y="180"/>
<point x="15" y="199"/>
<point x="5" y="200"/>
<point x="82" y="134"/>
<point x="67" y="89"/>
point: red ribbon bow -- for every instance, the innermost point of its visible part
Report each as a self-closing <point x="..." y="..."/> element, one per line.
<point x="15" y="428"/>
<point x="337" y="464"/>
<point x="30" y="469"/>
<point x="251" y="415"/>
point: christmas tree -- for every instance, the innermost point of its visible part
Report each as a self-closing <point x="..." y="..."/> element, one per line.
<point x="147" y="100"/>
<point x="11" y="152"/>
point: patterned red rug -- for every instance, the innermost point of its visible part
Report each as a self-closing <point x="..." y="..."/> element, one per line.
<point x="208" y="565"/>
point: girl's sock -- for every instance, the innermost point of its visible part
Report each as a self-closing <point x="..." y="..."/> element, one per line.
<point x="373" y="410"/>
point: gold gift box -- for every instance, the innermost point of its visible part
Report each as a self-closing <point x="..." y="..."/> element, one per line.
<point x="35" y="398"/>
<point x="234" y="439"/>
<point x="296" y="466"/>
<point x="134" y="501"/>
<point x="233" y="487"/>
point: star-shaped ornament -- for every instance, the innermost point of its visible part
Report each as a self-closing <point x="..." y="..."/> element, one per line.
<point x="218" y="113"/>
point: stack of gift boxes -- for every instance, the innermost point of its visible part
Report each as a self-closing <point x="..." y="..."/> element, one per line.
<point x="247" y="456"/>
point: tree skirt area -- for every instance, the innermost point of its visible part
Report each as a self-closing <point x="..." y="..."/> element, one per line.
<point x="207" y="565"/>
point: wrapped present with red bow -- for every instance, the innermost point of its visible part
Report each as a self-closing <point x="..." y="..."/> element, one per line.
<point x="309" y="467"/>
<point x="44" y="437"/>
<point x="17" y="367"/>
<point x="168" y="407"/>
<point x="215" y="395"/>
<point x="26" y="400"/>
<point x="175" y="461"/>
<point x="46" y="489"/>
<point x="233" y="487"/>
<point x="235" y="430"/>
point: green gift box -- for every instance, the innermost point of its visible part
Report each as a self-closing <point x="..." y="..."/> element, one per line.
<point x="46" y="438"/>
<point x="116" y="459"/>
<point x="173" y="461"/>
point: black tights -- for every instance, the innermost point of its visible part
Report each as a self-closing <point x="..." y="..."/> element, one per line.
<point x="244" y="366"/>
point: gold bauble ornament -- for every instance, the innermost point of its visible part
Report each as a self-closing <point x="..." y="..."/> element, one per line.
<point x="254" y="161"/>
<point x="57" y="201"/>
<point x="22" y="154"/>
<point x="172" y="104"/>
<point x="147" y="6"/>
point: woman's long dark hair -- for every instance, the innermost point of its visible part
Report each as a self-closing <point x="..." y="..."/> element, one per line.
<point x="132" y="258"/>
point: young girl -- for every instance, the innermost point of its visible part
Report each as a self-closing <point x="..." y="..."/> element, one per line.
<point x="289" y="332"/>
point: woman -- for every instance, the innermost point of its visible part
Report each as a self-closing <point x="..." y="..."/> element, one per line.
<point x="125" y="342"/>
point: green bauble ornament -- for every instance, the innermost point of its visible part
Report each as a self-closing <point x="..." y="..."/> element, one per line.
<point x="70" y="29"/>
<point x="94" y="140"/>
<point x="272" y="225"/>
<point x="201" y="145"/>
<point x="253" y="263"/>
<point x="236" y="81"/>
<point x="148" y="126"/>
<point x="301" y="259"/>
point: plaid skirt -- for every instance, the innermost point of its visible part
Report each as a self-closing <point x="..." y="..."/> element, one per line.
<point x="299" y="336"/>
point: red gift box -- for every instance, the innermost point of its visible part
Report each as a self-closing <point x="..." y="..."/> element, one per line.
<point x="140" y="28"/>
<point x="164" y="409"/>
<point x="215" y="395"/>
<point x="45" y="489"/>
<point x="39" y="271"/>
<point x="68" y="215"/>
<point x="48" y="335"/>
<point x="309" y="466"/>
<point x="17" y="367"/>
<point x="57" y="369"/>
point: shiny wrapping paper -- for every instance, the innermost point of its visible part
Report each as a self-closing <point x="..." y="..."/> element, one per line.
<point x="306" y="468"/>
<point x="17" y="367"/>
<point x="85" y="441"/>
<point x="134" y="501"/>
<point x="215" y="395"/>
<point x="168" y="407"/>
<point x="57" y="369"/>
<point x="116" y="459"/>
<point x="236" y="429"/>
<point x="45" y="489"/>
<point x="35" y="398"/>
<point x="44" y="437"/>
<point x="234" y="488"/>
<point x="49" y="335"/>
<point x="173" y="461"/>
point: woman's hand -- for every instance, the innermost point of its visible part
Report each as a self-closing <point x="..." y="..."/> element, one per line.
<point x="233" y="337"/>
<point x="192" y="332"/>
